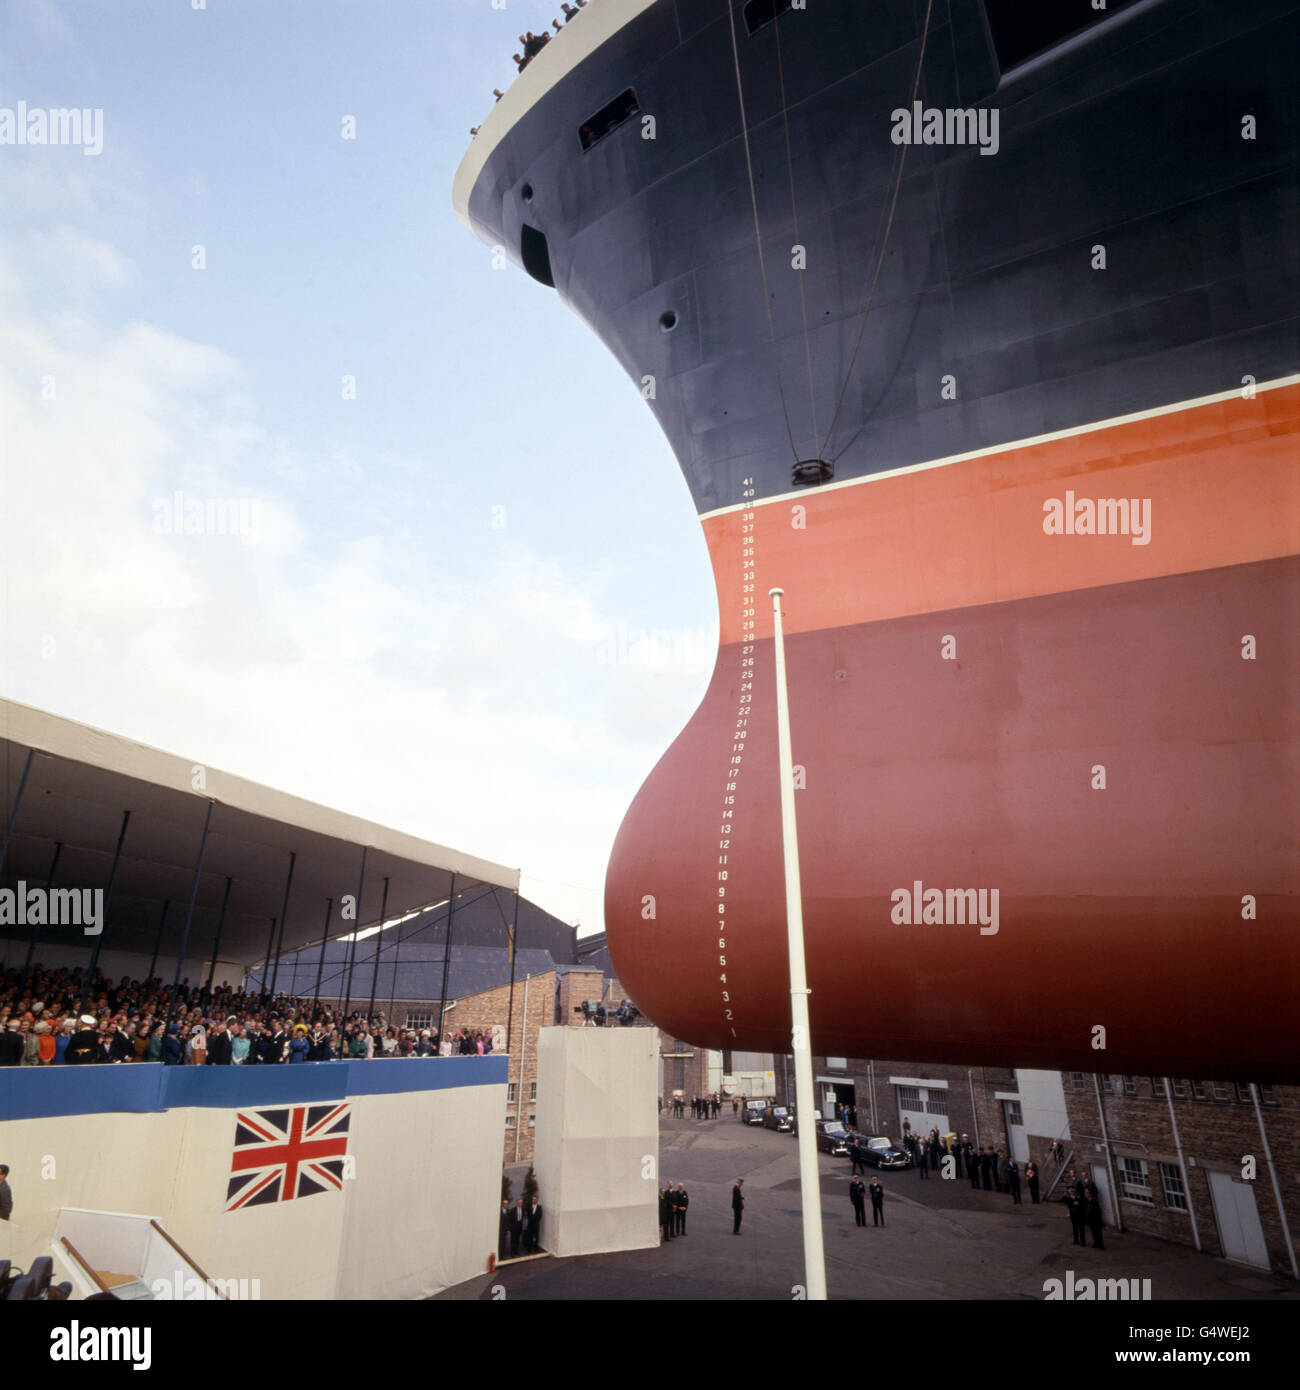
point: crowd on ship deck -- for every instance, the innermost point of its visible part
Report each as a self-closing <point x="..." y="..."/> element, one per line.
<point x="52" y="1018"/>
<point x="530" y="44"/>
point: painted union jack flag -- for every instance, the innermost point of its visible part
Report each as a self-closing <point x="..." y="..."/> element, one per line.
<point x="292" y="1151"/>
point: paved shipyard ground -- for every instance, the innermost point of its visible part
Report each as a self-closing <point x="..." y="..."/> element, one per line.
<point x="942" y="1240"/>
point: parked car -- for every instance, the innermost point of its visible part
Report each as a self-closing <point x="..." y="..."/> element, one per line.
<point x="832" y="1137"/>
<point x="777" y="1117"/>
<point x="751" y="1112"/>
<point x="881" y="1153"/>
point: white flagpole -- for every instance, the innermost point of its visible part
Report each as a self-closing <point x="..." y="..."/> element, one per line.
<point x="814" y="1258"/>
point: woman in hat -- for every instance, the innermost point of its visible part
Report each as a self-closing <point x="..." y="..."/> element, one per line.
<point x="44" y="1042"/>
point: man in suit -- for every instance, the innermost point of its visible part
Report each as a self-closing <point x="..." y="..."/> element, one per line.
<point x="683" y="1201"/>
<point x="922" y="1157"/>
<point x="1031" y="1179"/>
<point x="858" y="1196"/>
<point x="1074" y="1205"/>
<point x="6" y="1195"/>
<point x="737" y="1205"/>
<point x="972" y="1164"/>
<point x="219" y="1046"/>
<point x="533" y="1226"/>
<point x="665" y="1216"/>
<point x="999" y="1168"/>
<point x="877" y="1194"/>
<point x="1013" y="1180"/>
<point x="985" y="1165"/>
<point x="503" y="1229"/>
<point x="516" y="1227"/>
<point x="1091" y="1216"/>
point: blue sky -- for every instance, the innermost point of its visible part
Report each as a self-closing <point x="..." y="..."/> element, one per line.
<point x="433" y="621"/>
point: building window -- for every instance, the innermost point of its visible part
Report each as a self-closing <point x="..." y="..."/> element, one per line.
<point x="1130" y="1086"/>
<point x="510" y="1122"/>
<point x="1180" y="1089"/>
<point x="1220" y="1089"/>
<point x="679" y="1073"/>
<point x="532" y="1090"/>
<point x="1076" y="1081"/>
<point x="1172" y="1182"/>
<point x="1158" y="1087"/>
<point x="909" y="1098"/>
<point x="1115" y="1083"/>
<point x="1266" y="1095"/>
<point x="936" y="1102"/>
<point x="1134" y="1180"/>
<point x="419" y="1020"/>
<point x="1014" y="1114"/>
<point x="1198" y="1091"/>
<point x="837" y="1064"/>
<point x="511" y="1093"/>
<point x="1243" y="1091"/>
<point x="532" y="1121"/>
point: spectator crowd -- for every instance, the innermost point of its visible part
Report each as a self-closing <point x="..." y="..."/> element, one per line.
<point x="43" y="1022"/>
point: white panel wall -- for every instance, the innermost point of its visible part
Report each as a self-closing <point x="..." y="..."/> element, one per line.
<point x="597" y="1141"/>
<point x="1042" y="1103"/>
<point x="420" y="1214"/>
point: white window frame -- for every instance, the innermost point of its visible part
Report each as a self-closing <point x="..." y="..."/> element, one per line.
<point x="512" y="1091"/>
<point x="532" y="1090"/>
<point x="1135" y="1180"/>
<point x="510" y="1122"/>
<point x="1171" y="1180"/>
<point x="1158" y="1087"/>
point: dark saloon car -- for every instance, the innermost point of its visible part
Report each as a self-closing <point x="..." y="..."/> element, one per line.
<point x="881" y="1153"/>
<point x="777" y="1117"/>
<point x="751" y="1112"/>
<point x="832" y="1137"/>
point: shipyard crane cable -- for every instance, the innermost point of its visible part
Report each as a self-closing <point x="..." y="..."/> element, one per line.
<point x="884" y="245"/>
<point x="758" y="237"/>
<point x="794" y="212"/>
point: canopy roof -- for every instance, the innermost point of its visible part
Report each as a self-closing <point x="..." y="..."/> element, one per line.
<point x="82" y="780"/>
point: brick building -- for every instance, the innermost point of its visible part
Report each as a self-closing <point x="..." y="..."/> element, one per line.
<point x="1118" y="1127"/>
<point x="1222" y="1191"/>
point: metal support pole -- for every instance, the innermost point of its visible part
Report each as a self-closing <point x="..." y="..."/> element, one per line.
<point x="1182" y="1163"/>
<point x="1110" y="1167"/>
<point x="36" y="926"/>
<point x="1272" y="1172"/>
<point x="320" y="965"/>
<point x="108" y="897"/>
<point x="814" y="1257"/>
<point x="221" y="922"/>
<point x="446" y="956"/>
<point x="379" y="946"/>
<point x="284" y="917"/>
<point x="265" y="992"/>
<point x="511" y="930"/>
<point x="157" y="940"/>
<point x="189" y="913"/>
<point x="18" y="801"/>
<point x="352" y="945"/>
<point x="397" y="960"/>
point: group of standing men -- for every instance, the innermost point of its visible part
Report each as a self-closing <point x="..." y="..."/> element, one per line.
<point x="1084" y="1204"/>
<point x="858" y="1194"/>
<point x="702" y="1107"/>
<point x="673" y="1202"/>
<point x="521" y="1224"/>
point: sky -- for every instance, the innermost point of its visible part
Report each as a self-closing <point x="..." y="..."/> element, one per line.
<point x="469" y="597"/>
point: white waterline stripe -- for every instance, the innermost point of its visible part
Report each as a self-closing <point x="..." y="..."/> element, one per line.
<point x="804" y="493"/>
<point x="574" y="43"/>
